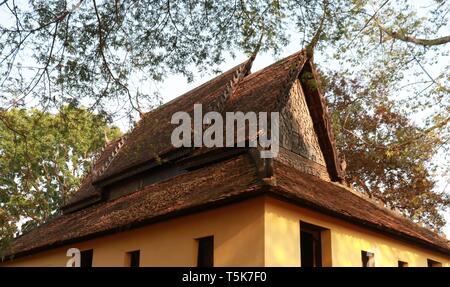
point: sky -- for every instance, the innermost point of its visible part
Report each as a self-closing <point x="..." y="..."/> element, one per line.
<point x="176" y="85"/>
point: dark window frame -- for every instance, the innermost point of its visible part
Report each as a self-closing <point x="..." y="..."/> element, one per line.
<point x="402" y="263"/>
<point x="205" y="251"/>
<point x="367" y="258"/>
<point x="134" y="258"/>
<point x="313" y="235"/>
<point x="433" y="263"/>
<point x="86" y="258"/>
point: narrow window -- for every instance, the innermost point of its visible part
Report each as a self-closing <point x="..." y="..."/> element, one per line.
<point x="205" y="255"/>
<point x="368" y="259"/>
<point x="432" y="263"/>
<point x="402" y="264"/>
<point x="133" y="258"/>
<point x="313" y="248"/>
<point x="86" y="258"/>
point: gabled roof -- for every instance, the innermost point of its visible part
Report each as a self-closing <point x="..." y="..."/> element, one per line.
<point x="225" y="176"/>
<point x="235" y="90"/>
<point x="268" y="89"/>
<point x="150" y="139"/>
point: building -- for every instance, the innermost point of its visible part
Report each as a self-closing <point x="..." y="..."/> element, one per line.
<point x="147" y="203"/>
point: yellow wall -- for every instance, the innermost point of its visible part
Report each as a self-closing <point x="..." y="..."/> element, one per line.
<point x="282" y="240"/>
<point x="236" y="229"/>
<point x="257" y="232"/>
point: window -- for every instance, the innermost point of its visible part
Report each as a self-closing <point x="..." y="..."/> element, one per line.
<point x="315" y="245"/>
<point x="86" y="258"/>
<point x="133" y="258"/>
<point x="402" y="264"/>
<point x="310" y="249"/>
<point x="432" y="263"/>
<point x="368" y="259"/>
<point x="205" y="255"/>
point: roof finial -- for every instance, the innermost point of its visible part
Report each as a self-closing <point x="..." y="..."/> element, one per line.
<point x="257" y="48"/>
<point x="312" y="45"/>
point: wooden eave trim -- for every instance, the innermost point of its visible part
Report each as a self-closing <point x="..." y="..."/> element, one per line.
<point x="321" y="122"/>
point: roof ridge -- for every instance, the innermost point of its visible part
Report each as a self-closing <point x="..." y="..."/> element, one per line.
<point x="199" y="87"/>
<point x="239" y="75"/>
<point x="262" y="70"/>
<point x="91" y="167"/>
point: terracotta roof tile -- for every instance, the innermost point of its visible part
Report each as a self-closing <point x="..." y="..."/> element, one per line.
<point x="213" y="183"/>
<point x="261" y="91"/>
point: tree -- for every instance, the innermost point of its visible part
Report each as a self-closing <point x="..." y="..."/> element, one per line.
<point x="389" y="158"/>
<point x="43" y="161"/>
<point x="103" y="53"/>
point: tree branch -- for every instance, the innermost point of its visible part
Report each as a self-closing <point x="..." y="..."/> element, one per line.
<point x="418" y="41"/>
<point x="102" y="43"/>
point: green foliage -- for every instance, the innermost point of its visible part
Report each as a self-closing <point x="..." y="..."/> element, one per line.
<point x="43" y="158"/>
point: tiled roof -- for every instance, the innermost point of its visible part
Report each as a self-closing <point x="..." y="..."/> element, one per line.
<point x="222" y="180"/>
<point x="217" y="184"/>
